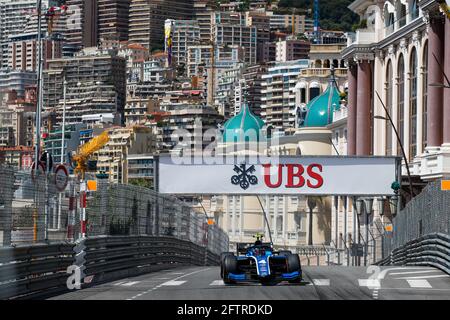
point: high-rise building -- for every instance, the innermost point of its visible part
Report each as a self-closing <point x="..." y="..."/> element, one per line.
<point x="147" y="19"/>
<point x="185" y="33"/>
<point x="16" y="80"/>
<point x="113" y="17"/>
<point x="240" y="35"/>
<point x="292" y="49"/>
<point x="82" y="23"/>
<point x="14" y="17"/>
<point x="251" y="85"/>
<point x="278" y="89"/>
<point x="96" y="83"/>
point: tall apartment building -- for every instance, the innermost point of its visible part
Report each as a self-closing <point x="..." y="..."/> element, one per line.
<point x="113" y="17"/>
<point x="224" y="98"/>
<point x="23" y="51"/>
<point x="291" y="49"/>
<point x="184" y="116"/>
<point x="16" y="80"/>
<point x="296" y="23"/>
<point x="278" y="90"/>
<point x="240" y="35"/>
<point x="82" y="23"/>
<point x="251" y="84"/>
<point x="113" y="158"/>
<point x="14" y="16"/>
<point x="96" y="83"/>
<point x="147" y="18"/>
<point x="185" y="33"/>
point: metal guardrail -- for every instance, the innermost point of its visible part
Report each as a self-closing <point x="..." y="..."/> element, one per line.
<point x="33" y="268"/>
<point x="39" y="270"/>
<point x="428" y="250"/>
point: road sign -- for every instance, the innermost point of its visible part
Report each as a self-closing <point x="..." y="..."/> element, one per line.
<point x="445" y="185"/>
<point x="357" y="250"/>
<point x="61" y="177"/>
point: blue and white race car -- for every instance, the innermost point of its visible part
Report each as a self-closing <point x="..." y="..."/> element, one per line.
<point x="259" y="262"/>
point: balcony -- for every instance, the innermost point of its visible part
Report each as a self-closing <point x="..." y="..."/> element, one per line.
<point x="340" y="114"/>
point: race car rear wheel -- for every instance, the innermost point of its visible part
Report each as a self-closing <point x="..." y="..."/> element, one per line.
<point x="222" y="258"/>
<point x="230" y="265"/>
<point x="285" y="252"/>
<point x="293" y="264"/>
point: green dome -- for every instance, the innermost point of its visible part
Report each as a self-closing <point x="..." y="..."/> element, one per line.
<point x="244" y="124"/>
<point x="320" y="110"/>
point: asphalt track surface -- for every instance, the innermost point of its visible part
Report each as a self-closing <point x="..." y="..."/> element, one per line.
<point x="319" y="283"/>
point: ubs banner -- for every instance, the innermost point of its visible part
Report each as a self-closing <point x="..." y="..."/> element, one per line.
<point x="281" y="175"/>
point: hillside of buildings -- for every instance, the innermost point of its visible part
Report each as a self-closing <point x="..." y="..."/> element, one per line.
<point x="334" y="14"/>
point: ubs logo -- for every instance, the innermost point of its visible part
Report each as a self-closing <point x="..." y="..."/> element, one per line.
<point x="244" y="177"/>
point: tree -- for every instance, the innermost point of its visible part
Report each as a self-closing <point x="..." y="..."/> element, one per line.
<point x="334" y="14"/>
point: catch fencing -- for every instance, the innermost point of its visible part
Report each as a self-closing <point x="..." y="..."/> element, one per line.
<point x="39" y="209"/>
<point x="427" y="215"/>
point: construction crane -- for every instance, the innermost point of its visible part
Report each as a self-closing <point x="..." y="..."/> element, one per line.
<point x="86" y="150"/>
<point x="316" y="22"/>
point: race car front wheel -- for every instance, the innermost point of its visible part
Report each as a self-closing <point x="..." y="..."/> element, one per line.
<point x="222" y="258"/>
<point x="293" y="264"/>
<point x="230" y="265"/>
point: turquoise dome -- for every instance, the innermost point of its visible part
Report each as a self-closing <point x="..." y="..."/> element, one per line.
<point x="320" y="109"/>
<point x="243" y="125"/>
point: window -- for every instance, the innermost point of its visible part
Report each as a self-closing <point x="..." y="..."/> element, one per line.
<point x="400" y="101"/>
<point x="389" y="92"/>
<point x="414" y="10"/>
<point x="425" y="96"/>
<point x="413" y="106"/>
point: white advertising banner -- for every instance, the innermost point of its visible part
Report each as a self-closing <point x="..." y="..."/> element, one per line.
<point x="284" y="175"/>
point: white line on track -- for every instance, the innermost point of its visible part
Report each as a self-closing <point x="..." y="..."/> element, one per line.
<point x="175" y="280"/>
<point x="413" y="272"/>
<point x="419" y="283"/>
<point x="129" y="284"/>
<point x="369" y="283"/>
<point x="425" y="277"/>
<point x="173" y="283"/>
<point x="321" y="282"/>
<point x="217" y="283"/>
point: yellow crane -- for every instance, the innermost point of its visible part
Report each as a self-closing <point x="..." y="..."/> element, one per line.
<point x="87" y="149"/>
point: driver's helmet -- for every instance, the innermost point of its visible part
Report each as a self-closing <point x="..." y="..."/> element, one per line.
<point x="258" y="242"/>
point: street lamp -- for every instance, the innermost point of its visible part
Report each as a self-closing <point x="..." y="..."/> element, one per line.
<point x="368" y="204"/>
<point x="356" y="235"/>
<point x="311" y="205"/>
<point x="381" y="206"/>
<point x="405" y="159"/>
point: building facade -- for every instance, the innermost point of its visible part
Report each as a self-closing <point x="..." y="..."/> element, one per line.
<point x="400" y="57"/>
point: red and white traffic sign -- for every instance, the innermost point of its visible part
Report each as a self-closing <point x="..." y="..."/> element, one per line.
<point x="61" y="177"/>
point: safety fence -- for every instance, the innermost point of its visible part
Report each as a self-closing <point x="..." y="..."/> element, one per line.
<point x="48" y="208"/>
<point x="44" y="270"/>
<point x="428" y="250"/>
<point x="425" y="216"/>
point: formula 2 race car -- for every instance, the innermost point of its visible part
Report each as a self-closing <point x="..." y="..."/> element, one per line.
<point x="259" y="262"/>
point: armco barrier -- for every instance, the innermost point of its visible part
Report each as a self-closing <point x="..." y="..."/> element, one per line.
<point x="428" y="250"/>
<point x="24" y="270"/>
<point x="40" y="270"/>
